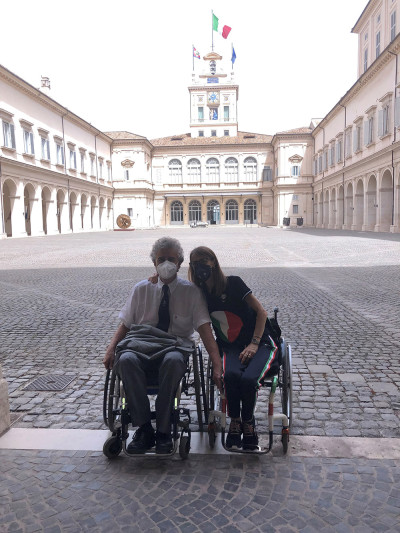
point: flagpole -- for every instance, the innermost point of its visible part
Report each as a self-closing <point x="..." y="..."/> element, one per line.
<point x="193" y="56"/>
<point x="212" y="30"/>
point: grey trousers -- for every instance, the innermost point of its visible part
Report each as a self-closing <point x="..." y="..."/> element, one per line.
<point x="135" y="371"/>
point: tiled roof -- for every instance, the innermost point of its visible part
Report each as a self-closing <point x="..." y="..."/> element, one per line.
<point x="185" y="139"/>
<point x="296" y="130"/>
<point x="117" y="135"/>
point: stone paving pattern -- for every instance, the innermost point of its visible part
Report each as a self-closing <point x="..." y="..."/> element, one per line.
<point x="339" y="309"/>
<point x="59" y="492"/>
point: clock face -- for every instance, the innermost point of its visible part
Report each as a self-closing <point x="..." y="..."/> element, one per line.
<point x="213" y="98"/>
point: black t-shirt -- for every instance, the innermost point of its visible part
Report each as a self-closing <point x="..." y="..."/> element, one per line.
<point x="232" y="318"/>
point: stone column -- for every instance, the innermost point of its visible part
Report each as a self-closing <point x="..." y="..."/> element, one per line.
<point x="4" y="405"/>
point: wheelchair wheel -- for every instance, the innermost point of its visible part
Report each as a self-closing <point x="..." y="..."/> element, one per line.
<point x="112" y="447"/>
<point x="210" y="388"/>
<point x="114" y="408"/>
<point x="184" y="446"/>
<point x="197" y="388"/>
<point x="287" y="382"/>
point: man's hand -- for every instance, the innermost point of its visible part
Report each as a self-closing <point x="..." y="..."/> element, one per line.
<point x="108" y="360"/>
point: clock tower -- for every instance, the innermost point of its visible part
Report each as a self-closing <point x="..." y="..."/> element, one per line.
<point x="213" y="101"/>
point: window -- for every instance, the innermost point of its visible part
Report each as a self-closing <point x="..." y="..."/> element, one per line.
<point x="126" y="174"/>
<point x="200" y="114"/>
<point x="347" y="141"/>
<point x="365" y="59"/>
<point x="194" y="170"/>
<point x="82" y="152"/>
<point x="295" y="209"/>
<point x="213" y="133"/>
<point x="332" y="154"/>
<point x="212" y="170"/>
<point x="231" y="170"/>
<point x="315" y="166"/>
<point x="250" y="212"/>
<point x="201" y="133"/>
<point x="100" y="168"/>
<point x="60" y="153"/>
<point x="377" y="44"/>
<point x="231" y="212"/>
<point x="92" y="165"/>
<point x="176" y="213"/>
<point x="109" y="170"/>
<point x="320" y="162"/>
<point x="130" y="212"/>
<point x="45" y="144"/>
<point x="325" y="160"/>
<point x="213" y="212"/>
<point x="194" y="210"/>
<point x="369" y="130"/>
<point x="383" y="121"/>
<point x="393" y="25"/>
<point x="295" y="170"/>
<point x="250" y="169"/>
<point x="357" y="137"/>
<point x="339" y="149"/>
<point x="8" y="135"/>
<point x="226" y="133"/>
<point x="267" y="173"/>
<point x="72" y="159"/>
<point x="29" y="147"/>
<point x="175" y="171"/>
<point x="226" y="113"/>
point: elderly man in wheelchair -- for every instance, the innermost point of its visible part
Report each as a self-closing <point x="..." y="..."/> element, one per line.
<point x="154" y="340"/>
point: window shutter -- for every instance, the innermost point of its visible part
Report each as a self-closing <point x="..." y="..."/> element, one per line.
<point x="12" y="135"/>
<point x="355" y="140"/>
<point x="367" y="140"/>
<point x="397" y="112"/>
<point x="32" y="143"/>
<point x="380" y="123"/>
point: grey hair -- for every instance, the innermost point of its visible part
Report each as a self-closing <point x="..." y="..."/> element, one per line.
<point x="167" y="242"/>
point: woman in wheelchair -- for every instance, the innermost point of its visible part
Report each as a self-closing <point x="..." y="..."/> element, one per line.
<point x="247" y="351"/>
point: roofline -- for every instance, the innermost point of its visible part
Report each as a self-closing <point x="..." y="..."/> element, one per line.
<point x="9" y="76"/>
<point x="353" y="29"/>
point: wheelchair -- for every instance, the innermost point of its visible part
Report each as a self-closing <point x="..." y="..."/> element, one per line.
<point x="117" y="418"/>
<point x="281" y="382"/>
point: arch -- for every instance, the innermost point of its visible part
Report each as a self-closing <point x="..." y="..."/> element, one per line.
<point x="175" y="171"/>
<point x="231" y="212"/>
<point x="250" y="211"/>
<point x="194" y="211"/>
<point x="93" y="213"/>
<point x="102" y="212"/>
<point x="194" y="170"/>
<point x="386" y="201"/>
<point x="332" y="209"/>
<point x="349" y="207"/>
<point x="9" y="194"/>
<point x="359" y="205"/>
<point x="326" y="209"/>
<point x="60" y="208"/>
<point x="212" y="170"/>
<point x="109" y="208"/>
<point x="250" y="169"/>
<point x="372" y="191"/>
<point x="231" y="170"/>
<point x="177" y="212"/>
<point x="213" y="212"/>
<point x="84" y="210"/>
<point x="46" y="199"/>
<point x="29" y="197"/>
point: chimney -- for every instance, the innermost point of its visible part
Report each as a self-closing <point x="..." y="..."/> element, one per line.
<point x="45" y="84"/>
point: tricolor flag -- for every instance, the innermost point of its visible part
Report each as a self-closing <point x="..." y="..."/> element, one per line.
<point x="196" y="54"/>
<point x="233" y="55"/>
<point x="222" y="29"/>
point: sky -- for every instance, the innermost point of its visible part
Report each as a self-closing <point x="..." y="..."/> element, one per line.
<point x="126" y="65"/>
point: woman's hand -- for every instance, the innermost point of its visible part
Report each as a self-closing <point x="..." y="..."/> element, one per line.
<point x="153" y="279"/>
<point x="248" y="353"/>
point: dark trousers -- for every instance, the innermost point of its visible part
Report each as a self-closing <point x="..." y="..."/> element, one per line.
<point x="137" y="372"/>
<point x="242" y="381"/>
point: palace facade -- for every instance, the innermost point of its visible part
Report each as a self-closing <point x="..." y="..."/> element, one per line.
<point x="59" y="174"/>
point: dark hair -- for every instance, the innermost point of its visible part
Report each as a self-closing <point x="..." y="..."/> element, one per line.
<point x="218" y="277"/>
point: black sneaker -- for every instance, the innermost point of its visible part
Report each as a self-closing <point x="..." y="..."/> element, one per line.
<point x="250" y="437"/>
<point x="143" y="440"/>
<point x="164" y="443"/>
<point x="234" y="437"/>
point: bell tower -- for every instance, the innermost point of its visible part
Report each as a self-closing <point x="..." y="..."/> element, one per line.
<point x="213" y="101"/>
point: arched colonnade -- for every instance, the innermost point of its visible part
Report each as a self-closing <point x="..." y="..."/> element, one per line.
<point x="46" y="210"/>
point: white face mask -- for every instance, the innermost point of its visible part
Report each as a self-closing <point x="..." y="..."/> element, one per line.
<point x="167" y="269"/>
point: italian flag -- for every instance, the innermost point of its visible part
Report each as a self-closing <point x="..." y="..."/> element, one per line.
<point x="222" y="29"/>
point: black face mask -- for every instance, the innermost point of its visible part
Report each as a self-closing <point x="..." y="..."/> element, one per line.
<point x="202" y="272"/>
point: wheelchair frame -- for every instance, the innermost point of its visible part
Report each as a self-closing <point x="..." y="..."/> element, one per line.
<point x="281" y="381"/>
<point x="117" y="418"/>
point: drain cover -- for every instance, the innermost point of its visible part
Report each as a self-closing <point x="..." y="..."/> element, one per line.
<point x="50" y="382"/>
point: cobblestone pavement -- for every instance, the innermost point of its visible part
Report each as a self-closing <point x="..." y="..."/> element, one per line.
<point x="80" y="491"/>
<point x="339" y="309"/>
